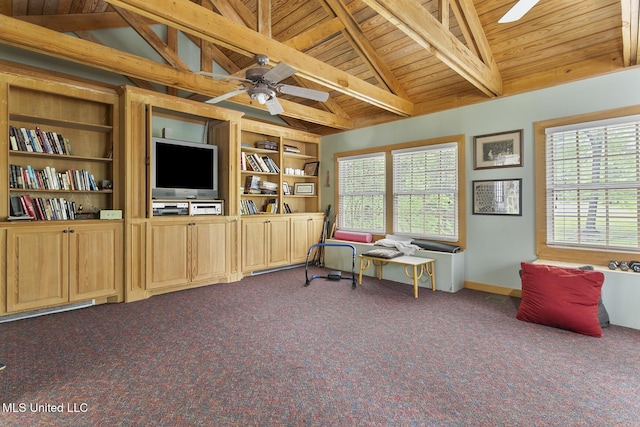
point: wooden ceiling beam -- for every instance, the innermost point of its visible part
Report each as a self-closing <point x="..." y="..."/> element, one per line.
<point x="264" y="17"/>
<point x="363" y="47"/>
<point x="41" y="40"/>
<point x="234" y="13"/>
<point x="87" y="35"/>
<point x="68" y="23"/>
<point x="191" y="18"/>
<point x="416" y="22"/>
<point x="630" y="32"/>
<point x="152" y="39"/>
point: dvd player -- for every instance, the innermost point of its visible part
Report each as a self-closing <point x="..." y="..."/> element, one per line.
<point x="160" y="209"/>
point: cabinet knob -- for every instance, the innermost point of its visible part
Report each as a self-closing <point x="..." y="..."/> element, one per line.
<point x="72" y="231"/>
<point x="65" y="231"/>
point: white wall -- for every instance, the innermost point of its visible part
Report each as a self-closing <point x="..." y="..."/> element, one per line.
<point x="495" y="245"/>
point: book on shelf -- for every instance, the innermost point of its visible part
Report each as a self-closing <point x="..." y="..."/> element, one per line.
<point x="263" y="166"/>
<point x="19" y="218"/>
<point x="252" y="184"/>
<point x="273" y="167"/>
<point x="267" y="187"/>
<point x="252" y="163"/>
<point x="291" y="148"/>
<point x="16" y="207"/>
<point x="27" y="205"/>
<point x="271" y="206"/>
<point x="267" y="145"/>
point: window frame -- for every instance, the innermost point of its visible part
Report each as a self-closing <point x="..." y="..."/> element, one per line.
<point x="560" y="253"/>
<point x="459" y="140"/>
<point x="379" y="156"/>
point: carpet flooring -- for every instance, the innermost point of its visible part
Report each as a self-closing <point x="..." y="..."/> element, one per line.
<point x="267" y="351"/>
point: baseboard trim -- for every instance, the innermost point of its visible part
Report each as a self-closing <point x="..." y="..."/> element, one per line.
<point x="493" y="289"/>
<point x="45" y="311"/>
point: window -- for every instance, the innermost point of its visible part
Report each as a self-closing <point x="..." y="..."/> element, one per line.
<point x="361" y="189"/>
<point x="411" y="189"/>
<point x="425" y="191"/>
<point x="592" y="182"/>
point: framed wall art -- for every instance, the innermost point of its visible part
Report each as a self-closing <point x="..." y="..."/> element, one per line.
<point x="311" y="168"/>
<point x="497" y="197"/>
<point x="498" y="150"/>
<point x="304" y="189"/>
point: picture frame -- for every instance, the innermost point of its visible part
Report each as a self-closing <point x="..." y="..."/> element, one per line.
<point x="497" y="197"/>
<point x="304" y="189"/>
<point x="285" y="188"/>
<point x="311" y="168"/>
<point x="498" y="150"/>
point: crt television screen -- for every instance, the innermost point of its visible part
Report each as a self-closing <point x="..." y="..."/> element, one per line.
<point x="184" y="165"/>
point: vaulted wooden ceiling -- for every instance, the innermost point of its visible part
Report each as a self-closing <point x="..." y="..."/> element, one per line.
<point x="380" y="60"/>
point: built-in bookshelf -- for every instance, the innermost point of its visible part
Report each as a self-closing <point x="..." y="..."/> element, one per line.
<point x="274" y="163"/>
<point x="60" y="162"/>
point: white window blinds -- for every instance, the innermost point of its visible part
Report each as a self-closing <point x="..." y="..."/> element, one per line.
<point x="361" y="193"/>
<point x="593" y="184"/>
<point x="425" y="191"/>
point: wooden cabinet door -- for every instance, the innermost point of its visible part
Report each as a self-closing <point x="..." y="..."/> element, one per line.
<point x="95" y="261"/>
<point x="37" y="267"/>
<point x="279" y="237"/>
<point x="254" y="244"/>
<point x="299" y="239"/>
<point x="168" y="255"/>
<point x="210" y="254"/>
<point x="305" y="231"/>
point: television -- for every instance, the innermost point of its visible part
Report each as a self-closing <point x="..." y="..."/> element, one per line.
<point x="183" y="170"/>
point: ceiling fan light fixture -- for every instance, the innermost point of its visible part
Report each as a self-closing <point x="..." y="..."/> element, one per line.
<point x="517" y="11"/>
<point x="261" y="94"/>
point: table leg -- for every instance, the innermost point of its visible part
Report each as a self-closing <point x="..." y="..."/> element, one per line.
<point x="430" y="269"/>
<point x="364" y="264"/>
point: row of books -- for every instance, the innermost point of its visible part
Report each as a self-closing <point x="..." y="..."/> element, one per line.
<point x="255" y="162"/>
<point x="38" y="141"/>
<point x="248" y="207"/>
<point x="41" y="209"/>
<point x="49" y="179"/>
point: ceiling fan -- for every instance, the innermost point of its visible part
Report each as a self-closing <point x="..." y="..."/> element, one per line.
<point x="262" y="84"/>
<point x="518" y="11"/>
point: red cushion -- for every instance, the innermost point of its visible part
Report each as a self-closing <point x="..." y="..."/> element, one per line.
<point x="565" y="298"/>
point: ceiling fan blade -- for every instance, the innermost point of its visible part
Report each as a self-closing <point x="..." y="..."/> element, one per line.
<point x="303" y="92"/>
<point x="279" y="72"/>
<point x="517" y="11"/>
<point x="226" y="96"/>
<point x="222" y="76"/>
<point x="274" y="107"/>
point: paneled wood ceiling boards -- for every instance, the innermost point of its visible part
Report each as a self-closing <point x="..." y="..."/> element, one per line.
<point x="380" y="60"/>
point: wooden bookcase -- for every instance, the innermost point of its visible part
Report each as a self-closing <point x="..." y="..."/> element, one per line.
<point x="61" y="257"/>
<point x="294" y="150"/>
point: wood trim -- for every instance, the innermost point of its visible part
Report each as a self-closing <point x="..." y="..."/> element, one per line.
<point x="493" y="289"/>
